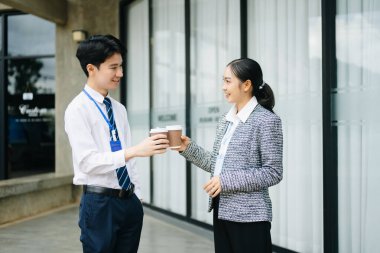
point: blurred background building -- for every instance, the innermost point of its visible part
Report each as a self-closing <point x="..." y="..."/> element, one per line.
<point x="321" y="58"/>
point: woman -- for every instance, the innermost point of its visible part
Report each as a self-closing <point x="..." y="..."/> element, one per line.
<point x="245" y="161"/>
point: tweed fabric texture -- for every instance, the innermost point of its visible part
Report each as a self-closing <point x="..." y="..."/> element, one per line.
<point x="253" y="163"/>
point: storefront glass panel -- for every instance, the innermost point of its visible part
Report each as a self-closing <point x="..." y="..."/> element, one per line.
<point x="30" y="35"/>
<point x="215" y="41"/>
<point x="357" y="120"/>
<point x="31" y="116"/>
<point x="284" y="36"/>
<point x="137" y="75"/>
<point x="168" y="100"/>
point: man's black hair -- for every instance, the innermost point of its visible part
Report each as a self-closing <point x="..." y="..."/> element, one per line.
<point x="97" y="49"/>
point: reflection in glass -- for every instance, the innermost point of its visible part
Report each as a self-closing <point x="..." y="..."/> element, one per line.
<point x="358" y="124"/>
<point x="31" y="122"/>
<point x="30" y="35"/>
<point x="215" y="41"/>
<point x="34" y="75"/>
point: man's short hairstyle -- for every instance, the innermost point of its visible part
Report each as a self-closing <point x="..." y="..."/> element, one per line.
<point x="97" y="49"/>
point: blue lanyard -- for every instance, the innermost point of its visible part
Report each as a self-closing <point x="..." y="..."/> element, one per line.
<point x="100" y="110"/>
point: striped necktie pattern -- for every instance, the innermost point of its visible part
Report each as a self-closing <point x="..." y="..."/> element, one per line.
<point x="122" y="172"/>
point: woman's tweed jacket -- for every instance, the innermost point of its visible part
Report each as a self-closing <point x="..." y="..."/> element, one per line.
<point x="253" y="162"/>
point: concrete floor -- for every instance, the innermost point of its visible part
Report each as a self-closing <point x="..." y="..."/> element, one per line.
<point x="58" y="232"/>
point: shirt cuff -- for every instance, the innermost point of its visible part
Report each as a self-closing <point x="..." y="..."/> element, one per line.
<point x="119" y="158"/>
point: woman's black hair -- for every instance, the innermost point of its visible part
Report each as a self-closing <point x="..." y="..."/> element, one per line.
<point x="97" y="49"/>
<point x="247" y="69"/>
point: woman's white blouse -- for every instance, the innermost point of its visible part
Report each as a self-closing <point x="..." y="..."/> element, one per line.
<point x="234" y="120"/>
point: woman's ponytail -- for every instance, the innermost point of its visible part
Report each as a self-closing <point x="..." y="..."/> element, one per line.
<point x="265" y="96"/>
<point x="248" y="69"/>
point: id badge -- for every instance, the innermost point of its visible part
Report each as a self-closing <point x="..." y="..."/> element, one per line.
<point x="115" y="145"/>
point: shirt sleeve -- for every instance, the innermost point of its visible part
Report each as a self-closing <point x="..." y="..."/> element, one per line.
<point x="90" y="159"/>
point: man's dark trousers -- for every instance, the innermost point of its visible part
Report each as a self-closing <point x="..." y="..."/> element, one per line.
<point x="110" y="224"/>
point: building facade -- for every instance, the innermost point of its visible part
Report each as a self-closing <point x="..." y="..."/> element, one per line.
<point x="319" y="57"/>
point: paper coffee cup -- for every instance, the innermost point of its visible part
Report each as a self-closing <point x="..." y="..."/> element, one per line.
<point x="158" y="130"/>
<point x="174" y="136"/>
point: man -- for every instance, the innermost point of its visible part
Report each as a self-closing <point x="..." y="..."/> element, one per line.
<point x="110" y="215"/>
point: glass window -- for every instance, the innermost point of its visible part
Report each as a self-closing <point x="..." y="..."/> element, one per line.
<point x="284" y="36"/>
<point x="138" y="83"/>
<point x="31" y="119"/>
<point x="215" y="41"/>
<point x="358" y="124"/>
<point x="30" y="95"/>
<point x="30" y="35"/>
<point x="168" y="101"/>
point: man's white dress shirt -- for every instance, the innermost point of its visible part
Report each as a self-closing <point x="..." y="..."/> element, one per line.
<point x="89" y="136"/>
<point x="234" y="120"/>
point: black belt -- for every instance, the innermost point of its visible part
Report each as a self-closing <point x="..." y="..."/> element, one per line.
<point x="109" y="191"/>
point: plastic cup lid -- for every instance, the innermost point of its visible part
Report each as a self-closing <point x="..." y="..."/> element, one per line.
<point x="158" y="130"/>
<point x="174" y="127"/>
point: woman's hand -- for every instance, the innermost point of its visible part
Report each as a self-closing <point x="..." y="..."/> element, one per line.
<point x="185" y="142"/>
<point x="213" y="186"/>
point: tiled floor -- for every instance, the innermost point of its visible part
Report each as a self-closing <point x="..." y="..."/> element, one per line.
<point x="58" y="232"/>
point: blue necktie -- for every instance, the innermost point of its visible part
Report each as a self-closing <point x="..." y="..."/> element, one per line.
<point x="122" y="172"/>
